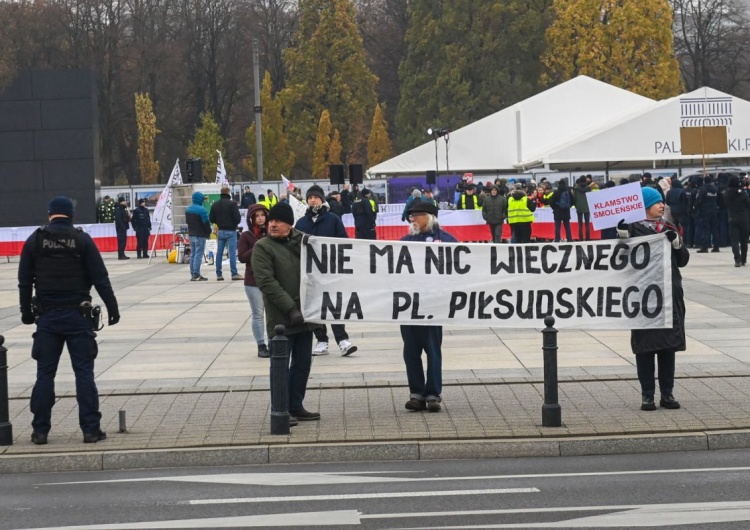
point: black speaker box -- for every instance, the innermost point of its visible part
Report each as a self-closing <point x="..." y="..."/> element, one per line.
<point x="431" y="177"/>
<point x="336" y="173"/>
<point x="194" y="169"/>
<point x="355" y="173"/>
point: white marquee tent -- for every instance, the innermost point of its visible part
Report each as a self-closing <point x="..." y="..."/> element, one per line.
<point x="581" y="121"/>
<point x="653" y="133"/>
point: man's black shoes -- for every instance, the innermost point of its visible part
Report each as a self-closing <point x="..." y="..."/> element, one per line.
<point x="93" y="437"/>
<point x="304" y="415"/>
<point x="648" y="403"/>
<point x="39" y="438"/>
<point x="263" y="351"/>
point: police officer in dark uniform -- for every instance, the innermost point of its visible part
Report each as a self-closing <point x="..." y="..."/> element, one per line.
<point x="61" y="263"/>
<point x="141" y="221"/>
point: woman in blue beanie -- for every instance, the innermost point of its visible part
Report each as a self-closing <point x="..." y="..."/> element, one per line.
<point x="649" y="345"/>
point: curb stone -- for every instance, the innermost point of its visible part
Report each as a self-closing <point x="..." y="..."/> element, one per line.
<point x="373" y="452"/>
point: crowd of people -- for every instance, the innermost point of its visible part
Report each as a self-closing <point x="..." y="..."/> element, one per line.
<point x="689" y="216"/>
<point x="696" y="215"/>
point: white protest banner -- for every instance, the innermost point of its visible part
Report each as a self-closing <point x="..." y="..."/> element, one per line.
<point x="163" y="211"/>
<point x="609" y="206"/>
<point x="221" y="172"/>
<point x="613" y="284"/>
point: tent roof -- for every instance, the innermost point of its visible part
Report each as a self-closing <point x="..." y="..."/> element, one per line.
<point x="653" y="132"/>
<point x="524" y="131"/>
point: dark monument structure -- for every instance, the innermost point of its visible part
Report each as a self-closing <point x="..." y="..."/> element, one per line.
<point x="49" y="145"/>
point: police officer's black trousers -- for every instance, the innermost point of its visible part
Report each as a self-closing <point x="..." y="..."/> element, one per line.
<point x="141" y="237"/>
<point x="122" y="241"/>
<point x="56" y="328"/>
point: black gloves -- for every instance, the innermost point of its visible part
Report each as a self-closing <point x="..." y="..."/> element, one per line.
<point x="295" y="318"/>
<point x="113" y="318"/>
<point x="28" y="318"/>
<point x="623" y="230"/>
<point x="674" y="238"/>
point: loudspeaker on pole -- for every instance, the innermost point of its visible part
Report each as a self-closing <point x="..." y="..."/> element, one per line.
<point x="431" y="177"/>
<point x="336" y="173"/>
<point x="355" y="173"/>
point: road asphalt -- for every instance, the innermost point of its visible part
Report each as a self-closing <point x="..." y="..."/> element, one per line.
<point x="182" y="367"/>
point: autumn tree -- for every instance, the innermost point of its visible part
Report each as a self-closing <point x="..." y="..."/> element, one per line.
<point x="327" y="71"/>
<point x="277" y="156"/>
<point x="467" y="59"/>
<point x="322" y="149"/>
<point x="379" y="144"/>
<point x="147" y="131"/>
<point x="206" y="142"/>
<point x="335" y="149"/>
<point x="627" y="43"/>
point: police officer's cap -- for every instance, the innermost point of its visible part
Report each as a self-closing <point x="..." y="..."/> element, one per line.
<point x="422" y="207"/>
<point x="61" y="206"/>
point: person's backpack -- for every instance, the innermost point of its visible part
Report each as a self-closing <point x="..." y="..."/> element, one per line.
<point x="563" y="201"/>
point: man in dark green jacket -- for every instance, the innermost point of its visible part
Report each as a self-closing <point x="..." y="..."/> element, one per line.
<point x="276" y="265"/>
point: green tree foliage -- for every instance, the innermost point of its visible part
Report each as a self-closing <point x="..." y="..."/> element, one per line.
<point x="466" y="60"/>
<point x="627" y="43"/>
<point x="379" y="146"/>
<point x="147" y="131"/>
<point x="206" y="142"/>
<point x="322" y="146"/>
<point x="277" y="157"/>
<point x="327" y="70"/>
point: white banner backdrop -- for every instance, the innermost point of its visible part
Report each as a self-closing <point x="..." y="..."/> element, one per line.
<point x="614" y="284"/>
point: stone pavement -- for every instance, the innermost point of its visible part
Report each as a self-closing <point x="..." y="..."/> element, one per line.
<point x="183" y="367"/>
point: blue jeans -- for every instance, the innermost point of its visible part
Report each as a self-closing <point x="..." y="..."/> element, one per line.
<point x="299" y="347"/>
<point x="197" y="247"/>
<point x="56" y="328"/>
<point x="255" y="297"/>
<point x="226" y="237"/>
<point x="429" y="339"/>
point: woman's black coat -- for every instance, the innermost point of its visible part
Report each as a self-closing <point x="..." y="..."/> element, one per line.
<point x="672" y="339"/>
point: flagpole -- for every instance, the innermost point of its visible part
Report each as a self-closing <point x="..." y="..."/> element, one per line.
<point x="156" y="238"/>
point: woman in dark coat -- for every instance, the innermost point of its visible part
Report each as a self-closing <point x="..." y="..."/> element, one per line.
<point x="561" y="209"/>
<point x="660" y="343"/>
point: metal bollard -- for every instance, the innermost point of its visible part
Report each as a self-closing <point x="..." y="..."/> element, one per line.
<point x="123" y="422"/>
<point x="551" y="413"/>
<point x="279" y="383"/>
<point x="6" y="429"/>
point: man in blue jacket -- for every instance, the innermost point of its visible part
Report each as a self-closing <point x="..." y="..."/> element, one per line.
<point x="318" y="221"/>
<point x="424" y="391"/>
<point x="199" y="229"/>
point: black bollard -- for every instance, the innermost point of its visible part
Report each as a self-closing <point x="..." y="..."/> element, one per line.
<point x="279" y="383"/>
<point x="551" y="413"/>
<point x="6" y="429"/>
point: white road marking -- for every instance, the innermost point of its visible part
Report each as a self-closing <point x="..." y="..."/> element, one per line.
<point x="305" y="479"/>
<point x="350" y="496"/>
<point x="342" y="517"/>
<point x="636" y="515"/>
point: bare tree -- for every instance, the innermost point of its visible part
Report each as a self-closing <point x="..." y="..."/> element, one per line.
<point x="712" y="42"/>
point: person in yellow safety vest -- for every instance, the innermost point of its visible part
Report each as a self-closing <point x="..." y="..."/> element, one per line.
<point x="520" y="214"/>
<point x="271" y="199"/>
<point x="468" y="200"/>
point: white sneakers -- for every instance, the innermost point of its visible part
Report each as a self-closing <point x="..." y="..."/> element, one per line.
<point x="321" y="348"/>
<point x="347" y="348"/>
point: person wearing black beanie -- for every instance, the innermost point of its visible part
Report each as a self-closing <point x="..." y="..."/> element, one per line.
<point x="276" y="266"/>
<point x="59" y="264"/>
